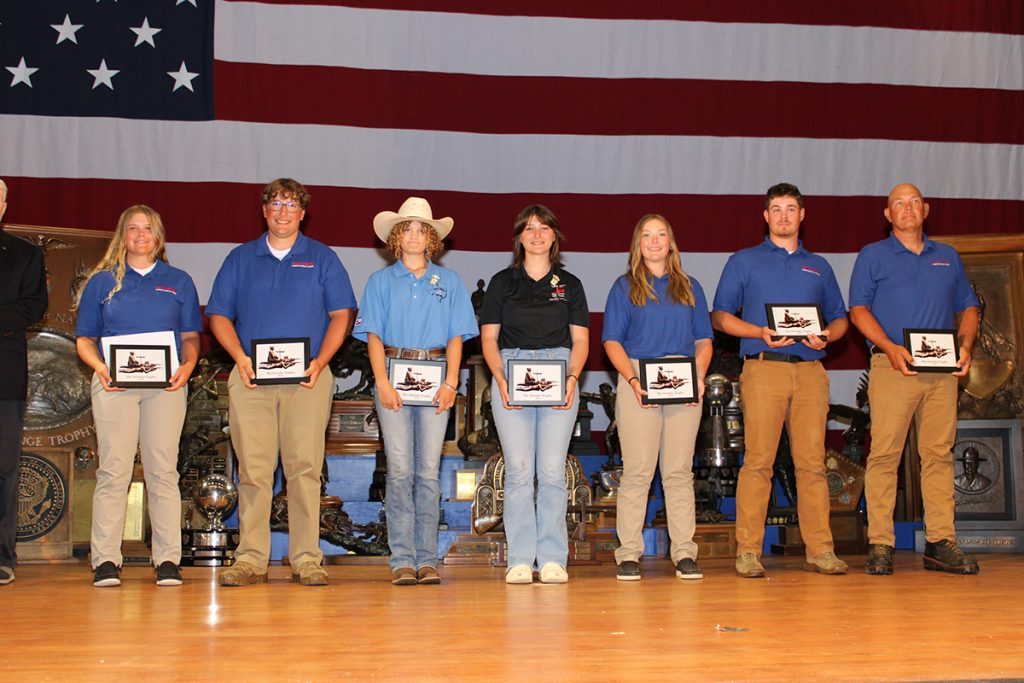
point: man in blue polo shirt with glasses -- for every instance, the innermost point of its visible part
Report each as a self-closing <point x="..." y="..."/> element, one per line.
<point x="907" y="281"/>
<point x="282" y="285"/>
<point x="783" y="381"/>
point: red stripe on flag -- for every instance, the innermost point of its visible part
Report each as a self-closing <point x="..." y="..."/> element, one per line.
<point x="627" y="106"/>
<point x="342" y="217"/>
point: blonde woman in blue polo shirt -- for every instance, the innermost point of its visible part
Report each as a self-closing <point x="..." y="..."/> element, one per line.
<point x="414" y="310"/>
<point x="656" y="310"/>
<point x="133" y="290"/>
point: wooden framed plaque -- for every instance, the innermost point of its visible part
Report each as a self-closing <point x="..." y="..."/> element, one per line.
<point x="280" y="361"/>
<point x="668" y="380"/>
<point x="933" y="350"/>
<point x="416" y="381"/>
<point x="534" y="382"/>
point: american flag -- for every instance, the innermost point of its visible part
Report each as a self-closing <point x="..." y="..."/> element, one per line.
<point x="601" y="110"/>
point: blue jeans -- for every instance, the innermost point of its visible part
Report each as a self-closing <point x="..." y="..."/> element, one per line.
<point x="413" y="438"/>
<point x="535" y="442"/>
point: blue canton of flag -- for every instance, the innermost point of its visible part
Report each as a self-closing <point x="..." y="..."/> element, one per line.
<point x="128" y="59"/>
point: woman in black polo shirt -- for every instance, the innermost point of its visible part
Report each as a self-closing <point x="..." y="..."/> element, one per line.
<point x="535" y="310"/>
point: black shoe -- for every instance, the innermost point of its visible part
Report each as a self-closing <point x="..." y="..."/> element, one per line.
<point x="688" y="569"/>
<point x="879" y="560"/>
<point x="628" y="571"/>
<point x="946" y="556"/>
<point x="107" y="574"/>
<point x="168" y="574"/>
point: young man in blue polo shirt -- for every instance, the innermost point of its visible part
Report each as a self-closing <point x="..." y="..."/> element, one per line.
<point x="909" y="282"/>
<point x="280" y="285"/>
<point x="783" y="381"/>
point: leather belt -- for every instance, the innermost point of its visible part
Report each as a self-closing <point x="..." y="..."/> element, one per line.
<point x="413" y="354"/>
<point x="778" y="357"/>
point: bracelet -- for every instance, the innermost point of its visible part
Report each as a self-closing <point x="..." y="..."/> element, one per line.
<point x="634" y="377"/>
<point x="574" y="377"/>
<point x="445" y="384"/>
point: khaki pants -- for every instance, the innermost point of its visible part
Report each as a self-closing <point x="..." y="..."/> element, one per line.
<point x="895" y="400"/>
<point x="795" y="394"/>
<point x="147" y="420"/>
<point x="290" y="420"/>
<point x="655" y="437"/>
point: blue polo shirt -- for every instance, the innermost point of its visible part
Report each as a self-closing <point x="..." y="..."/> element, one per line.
<point x="268" y="298"/>
<point x="768" y="274"/>
<point x="658" y="328"/>
<point x="908" y="290"/>
<point x="162" y="299"/>
<point x="415" y="313"/>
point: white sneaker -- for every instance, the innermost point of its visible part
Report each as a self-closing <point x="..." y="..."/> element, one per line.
<point x="520" y="573"/>
<point x="552" y="572"/>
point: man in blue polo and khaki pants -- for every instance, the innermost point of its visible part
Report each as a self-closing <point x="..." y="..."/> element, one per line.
<point x="280" y="285"/>
<point x="783" y="381"/>
<point x="907" y="281"/>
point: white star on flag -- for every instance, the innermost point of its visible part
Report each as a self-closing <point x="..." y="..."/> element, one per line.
<point x="22" y="73"/>
<point x="145" y="33"/>
<point x="103" y="75"/>
<point x="182" y="78"/>
<point x="66" y="31"/>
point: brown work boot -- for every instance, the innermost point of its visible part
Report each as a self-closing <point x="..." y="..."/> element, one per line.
<point x="826" y="563"/>
<point x="404" y="576"/>
<point x="241" y="574"/>
<point x="947" y="556"/>
<point x="310" y="574"/>
<point x="749" y="567"/>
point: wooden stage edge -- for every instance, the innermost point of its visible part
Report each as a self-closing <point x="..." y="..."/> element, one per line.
<point x="914" y="625"/>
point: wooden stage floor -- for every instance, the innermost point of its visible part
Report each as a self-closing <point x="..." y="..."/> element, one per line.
<point x="914" y="625"/>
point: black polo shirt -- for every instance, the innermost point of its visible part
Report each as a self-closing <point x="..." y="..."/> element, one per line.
<point x="535" y="314"/>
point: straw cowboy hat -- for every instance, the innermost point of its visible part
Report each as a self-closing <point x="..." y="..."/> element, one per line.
<point x="412" y="209"/>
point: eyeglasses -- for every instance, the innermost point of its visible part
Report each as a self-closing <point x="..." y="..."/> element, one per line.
<point x="290" y="205"/>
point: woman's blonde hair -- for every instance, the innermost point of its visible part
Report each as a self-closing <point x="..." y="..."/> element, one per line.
<point x="641" y="290"/>
<point x="435" y="245"/>
<point x="114" y="259"/>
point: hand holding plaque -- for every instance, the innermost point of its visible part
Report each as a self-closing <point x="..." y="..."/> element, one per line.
<point x="280" y="361"/>
<point x="669" y="380"/>
<point x="932" y="350"/>
<point x="534" y="382"/>
<point x="795" y="321"/>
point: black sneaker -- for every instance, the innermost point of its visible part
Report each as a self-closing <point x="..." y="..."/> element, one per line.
<point x="628" y="571"/>
<point x="688" y="569"/>
<point x="107" y="574"/>
<point x="168" y="574"/>
<point x="946" y="556"/>
<point x="879" y="560"/>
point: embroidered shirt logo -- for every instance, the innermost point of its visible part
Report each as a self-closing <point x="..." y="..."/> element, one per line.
<point x="303" y="264"/>
<point x="810" y="270"/>
<point x="947" y="264"/>
<point x="169" y="290"/>
<point x="557" y="289"/>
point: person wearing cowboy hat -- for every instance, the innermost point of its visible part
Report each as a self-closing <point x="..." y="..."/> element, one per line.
<point x="414" y="310"/>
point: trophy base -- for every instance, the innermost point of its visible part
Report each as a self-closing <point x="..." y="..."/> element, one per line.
<point x="208" y="548"/>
